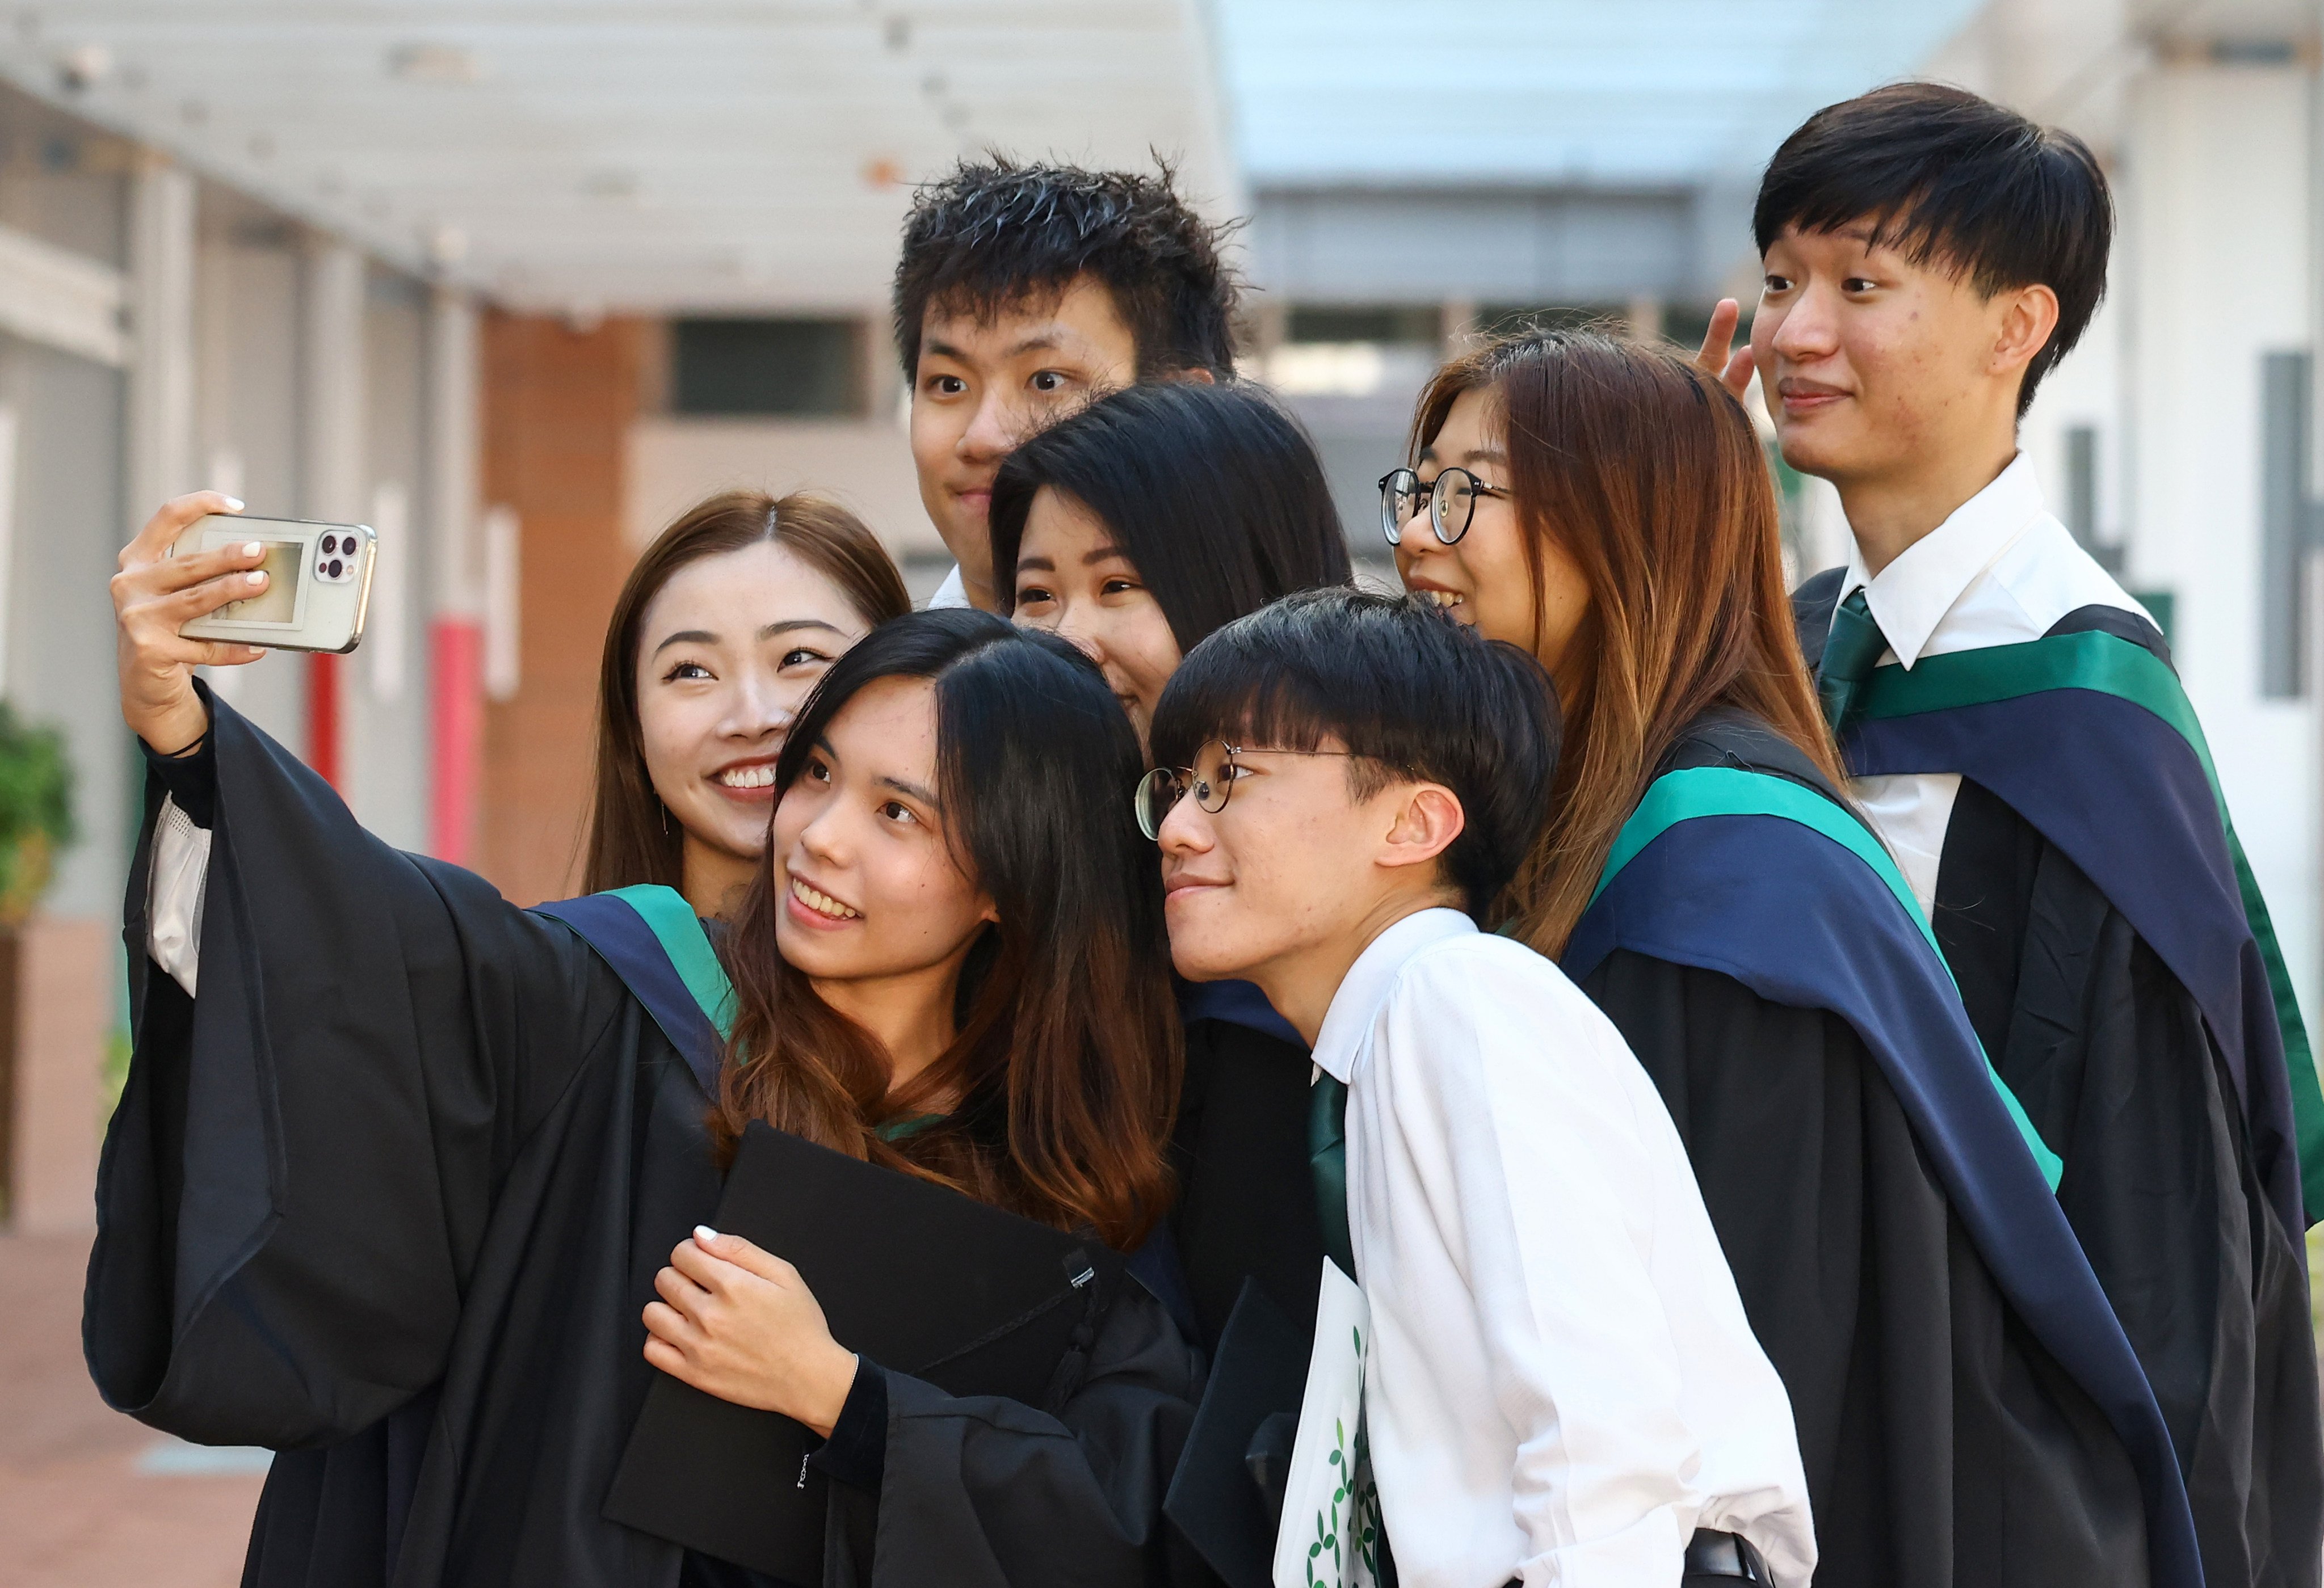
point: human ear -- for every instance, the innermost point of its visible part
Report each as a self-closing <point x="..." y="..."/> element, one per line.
<point x="2029" y="317"/>
<point x="1428" y="818"/>
<point x="1195" y="375"/>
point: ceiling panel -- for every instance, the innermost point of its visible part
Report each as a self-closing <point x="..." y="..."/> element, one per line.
<point x="586" y="155"/>
<point x="1648" y="92"/>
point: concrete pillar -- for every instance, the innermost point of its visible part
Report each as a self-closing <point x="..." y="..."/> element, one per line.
<point x="332" y="468"/>
<point x="456" y="603"/>
<point x="1641" y="319"/>
<point x="2213" y="275"/>
<point x="160" y="462"/>
<point x="1460" y="321"/>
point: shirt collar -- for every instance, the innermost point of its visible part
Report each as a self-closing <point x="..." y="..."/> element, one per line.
<point x="1349" y="1021"/>
<point x="1911" y="596"/>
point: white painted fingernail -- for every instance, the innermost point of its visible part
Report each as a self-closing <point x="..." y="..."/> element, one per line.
<point x="703" y="1232"/>
<point x="255" y="578"/>
<point x="235" y="503"/>
<point x="252" y="548"/>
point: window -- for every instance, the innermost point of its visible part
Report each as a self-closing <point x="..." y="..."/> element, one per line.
<point x="801" y="367"/>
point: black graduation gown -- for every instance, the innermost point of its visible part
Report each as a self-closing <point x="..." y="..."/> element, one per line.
<point x="1246" y="1205"/>
<point x="388" y="1198"/>
<point x="2118" y="1070"/>
<point x="1942" y="1444"/>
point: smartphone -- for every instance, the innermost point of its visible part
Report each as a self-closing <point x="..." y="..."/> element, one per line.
<point x="318" y="586"/>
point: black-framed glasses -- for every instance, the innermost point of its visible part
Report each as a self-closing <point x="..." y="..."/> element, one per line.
<point x="1451" y="499"/>
<point x="1210" y="780"/>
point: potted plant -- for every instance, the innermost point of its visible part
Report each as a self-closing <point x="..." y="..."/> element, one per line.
<point x="35" y="813"/>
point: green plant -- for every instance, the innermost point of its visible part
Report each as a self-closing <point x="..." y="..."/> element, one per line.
<point x="35" y="812"/>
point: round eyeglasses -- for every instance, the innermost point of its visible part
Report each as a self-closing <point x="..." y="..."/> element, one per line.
<point x="1210" y="780"/>
<point x="1451" y="499"/>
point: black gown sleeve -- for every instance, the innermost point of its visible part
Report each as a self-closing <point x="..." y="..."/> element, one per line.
<point x="1941" y="1444"/>
<point x="981" y="1493"/>
<point x="2116" y="1069"/>
<point x="297" y="1182"/>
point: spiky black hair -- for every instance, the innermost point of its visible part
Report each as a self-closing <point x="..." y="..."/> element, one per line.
<point x="994" y="233"/>
<point x="1944" y="176"/>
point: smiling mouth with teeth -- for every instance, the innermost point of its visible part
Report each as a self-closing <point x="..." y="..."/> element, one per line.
<point x="759" y="777"/>
<point x="822" y="903"/>
<point x="1444" y="598"/>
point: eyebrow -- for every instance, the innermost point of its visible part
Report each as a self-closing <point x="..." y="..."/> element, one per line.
<point x="1090" y="559"/>
<point x="704" y="635"/>
<point x="913" y="789"/>
<point x="1475" y="454"/>
<point x="1048" y="339"/>
<point x="823" y="743"/>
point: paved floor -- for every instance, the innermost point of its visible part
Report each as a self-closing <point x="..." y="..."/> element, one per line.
<point x="88" y="1498"/>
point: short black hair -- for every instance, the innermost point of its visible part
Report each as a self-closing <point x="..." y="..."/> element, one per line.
<point x="1214" y="493"/>
<point x="1413" y="695"/>
<point x="1945" y="175"/>
<point x="995" y="233"/>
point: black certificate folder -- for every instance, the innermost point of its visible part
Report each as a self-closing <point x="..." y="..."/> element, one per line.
<point x="912" y="1276"/>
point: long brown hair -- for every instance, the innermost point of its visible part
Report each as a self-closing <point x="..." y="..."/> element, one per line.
<point x="1065" y="1067"/>
<point x="1649" y="476"/>
<point x="632" y="838"/>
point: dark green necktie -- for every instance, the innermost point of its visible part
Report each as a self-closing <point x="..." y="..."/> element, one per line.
<point x="1327" y="1156"/>
<point x="1854" y="645"/>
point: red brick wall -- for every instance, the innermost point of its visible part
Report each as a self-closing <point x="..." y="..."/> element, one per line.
<point x="557" y="405"/>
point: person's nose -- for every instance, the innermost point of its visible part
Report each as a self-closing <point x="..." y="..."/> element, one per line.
<point x="1076" y="628"/>
<point x="755" y="710"/>
<point x="1185" y="831"/>
<point x="826" y="837"/>
<point x="1808" y="327"/>
<point x="992" y="431"/>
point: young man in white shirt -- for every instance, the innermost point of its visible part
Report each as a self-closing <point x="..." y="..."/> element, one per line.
<point x="1022" y="292"/>
<point x="1560" y="1385"/>
<point x="2023" y="746"/>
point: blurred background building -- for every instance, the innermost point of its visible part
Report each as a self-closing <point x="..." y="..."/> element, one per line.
<point x="515" y="283"/>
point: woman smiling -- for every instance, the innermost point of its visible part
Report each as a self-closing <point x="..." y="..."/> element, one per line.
<point x="411" y="1186"/>
<point x="725" y="624"/>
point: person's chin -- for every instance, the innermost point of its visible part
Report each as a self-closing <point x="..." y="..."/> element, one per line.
<point x="1814" y="444"/>
<point x="1202" y="943"/>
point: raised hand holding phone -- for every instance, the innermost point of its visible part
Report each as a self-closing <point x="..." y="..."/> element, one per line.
<point x="154" y="596"/>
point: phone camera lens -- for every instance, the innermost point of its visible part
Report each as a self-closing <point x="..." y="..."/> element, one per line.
<point x="330" y="544"/>
<point x="334" y="568"/>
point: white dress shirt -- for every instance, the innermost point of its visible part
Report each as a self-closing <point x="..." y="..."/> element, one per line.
<point x="174" y="895"/>
<point x="952" y="593"/>
<point x="1561" y="1384"/>
<point x="2000" y="570"/>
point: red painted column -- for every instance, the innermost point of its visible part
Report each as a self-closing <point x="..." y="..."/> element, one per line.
<point x="456" y="656"/>
<point x="456" y="632"/>
<point x="323" y="719"/>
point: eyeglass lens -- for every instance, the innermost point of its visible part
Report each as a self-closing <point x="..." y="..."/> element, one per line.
<point x="1451" y="499"/>
<point x="1399" y="499"/>
<point x="1450" y="503"/>
<point x="1165" y="787"/>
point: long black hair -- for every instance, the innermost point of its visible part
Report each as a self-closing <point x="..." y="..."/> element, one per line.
<point x="1214" y="491"/>
<point x="1065" y="1063"/>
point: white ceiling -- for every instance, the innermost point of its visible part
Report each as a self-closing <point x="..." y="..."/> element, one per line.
<point x="1655" y="93"/>
<point x="608" y="154"/>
